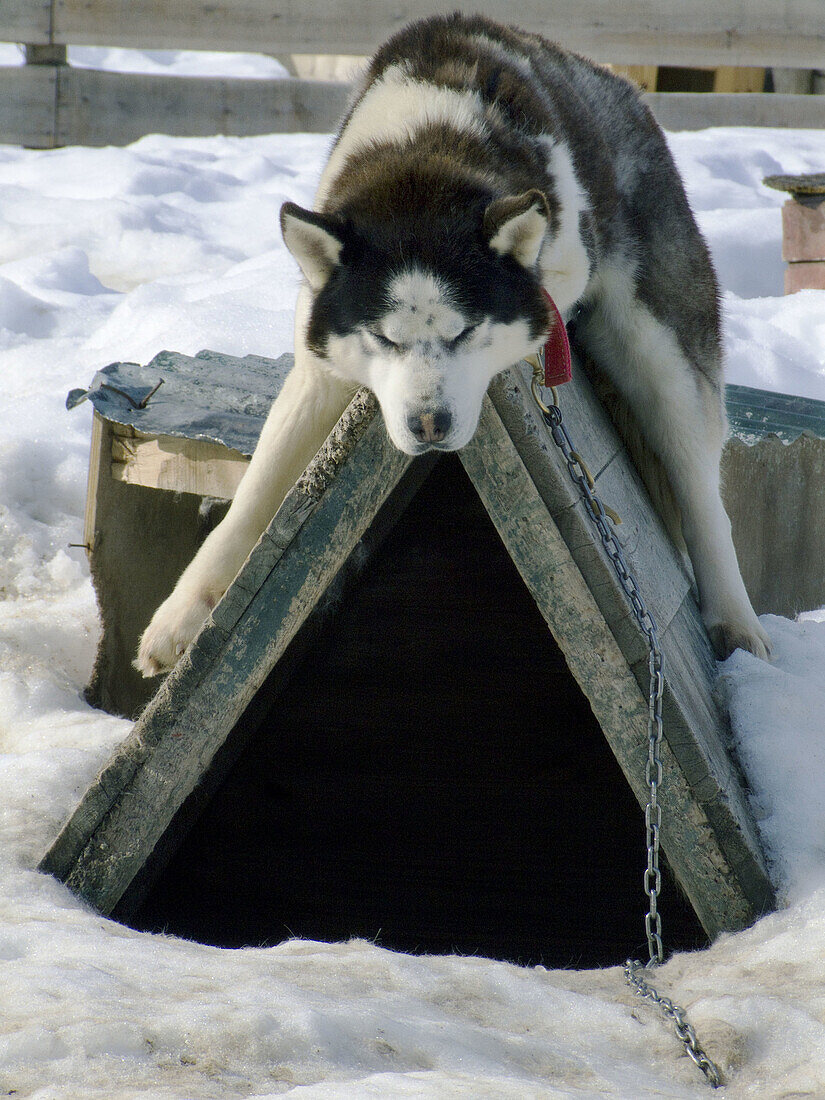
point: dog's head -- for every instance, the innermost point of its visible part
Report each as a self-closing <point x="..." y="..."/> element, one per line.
<point x="424" y="315"/>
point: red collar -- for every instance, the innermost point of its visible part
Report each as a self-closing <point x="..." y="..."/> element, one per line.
<point x="556" y="351"/>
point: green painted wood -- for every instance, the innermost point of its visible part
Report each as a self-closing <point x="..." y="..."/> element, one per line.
<point x="754" y="414"/>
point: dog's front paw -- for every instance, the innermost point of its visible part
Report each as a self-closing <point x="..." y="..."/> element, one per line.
<point x="173" y="626"/>
<point x="725" y="637"/>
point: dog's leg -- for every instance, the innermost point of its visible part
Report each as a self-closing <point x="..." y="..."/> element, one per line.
<point x="311" y="401"/>
<point x="681" y="415"/>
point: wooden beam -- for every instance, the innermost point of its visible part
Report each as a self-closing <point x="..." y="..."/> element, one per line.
<point x="313" y="535"/>
<point x="101" y="108"/>
<point x="709" y="835"/>
<point x="26" y="21"/>
<point x="28" y="95"/>
<point x="176" y="464"/>
<point x="636" y="32"/>
<point x="699" y="110"/>
<point x="41" y="106"/>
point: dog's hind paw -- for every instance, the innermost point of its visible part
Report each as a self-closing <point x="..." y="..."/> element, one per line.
<point x="174" y="625"/>
<point x="728" y="636"/>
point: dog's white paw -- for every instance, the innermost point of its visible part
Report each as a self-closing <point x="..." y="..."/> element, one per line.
<point x="727" y="636"/>
<point x="173" y="626"/>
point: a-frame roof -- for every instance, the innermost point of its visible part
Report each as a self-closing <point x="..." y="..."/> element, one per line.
<point x="351" y="491"/>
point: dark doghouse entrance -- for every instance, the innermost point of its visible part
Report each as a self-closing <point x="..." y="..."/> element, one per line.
<point x="430" y="777"/>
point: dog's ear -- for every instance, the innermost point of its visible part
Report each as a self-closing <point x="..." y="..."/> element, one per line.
<point x="313" y="241"/>
<point x="515" y="226"/>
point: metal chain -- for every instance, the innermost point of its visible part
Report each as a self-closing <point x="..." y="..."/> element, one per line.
<point x="683" y="1029"/>
<point x="580" y="475"/>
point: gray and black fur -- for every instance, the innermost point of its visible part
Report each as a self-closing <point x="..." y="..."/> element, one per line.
<point x="638" y="210"/>
<point x="477" y="166"/>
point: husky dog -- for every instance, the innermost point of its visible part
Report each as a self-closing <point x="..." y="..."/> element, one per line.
<point x="477" y="165"/>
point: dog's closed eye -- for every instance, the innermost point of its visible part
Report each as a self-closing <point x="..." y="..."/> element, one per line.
<point x="383" y="340"/>
<point x="462" y="336"/>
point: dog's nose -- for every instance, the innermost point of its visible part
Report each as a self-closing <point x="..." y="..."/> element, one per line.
<point x="430" y="427"/>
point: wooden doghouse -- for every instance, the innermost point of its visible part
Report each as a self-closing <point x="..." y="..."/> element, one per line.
<point x="171" y="440"/>
<point x="419" y="713"/>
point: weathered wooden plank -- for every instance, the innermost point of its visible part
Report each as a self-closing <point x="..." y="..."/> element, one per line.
<point x="27" y="105"/>
<point x="100" y="108"/>
<point x="176" y="464"/>
<point x="773" y="493"/>
<point x="98" y="448"/>
<point x="663" y="571"/>
<point x="698" y="738"/>
<point x="637" y="31"/>
<point x="708" y="829"/>
<point x="140" y="541"/>
<point x="41" y="106"/>
<point x="25" y="21"/>
<point x="640" y="533"/>
<point x="128" y="808"/>
<point x="698" y="110"/>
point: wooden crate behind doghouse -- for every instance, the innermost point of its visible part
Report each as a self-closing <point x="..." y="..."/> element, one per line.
<point x="170" y="443"/>
<point x="377" y="733"/>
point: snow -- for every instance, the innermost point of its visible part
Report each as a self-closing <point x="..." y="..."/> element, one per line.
<point x="173" y="243"/>
<point x="168" y="62"/>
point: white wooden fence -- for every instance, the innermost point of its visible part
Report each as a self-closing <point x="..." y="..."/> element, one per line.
<point x="52" y="104"/>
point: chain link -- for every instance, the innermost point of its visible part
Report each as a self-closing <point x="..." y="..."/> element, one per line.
<point x="633" y="972"/>
<point x="653" y="768"/>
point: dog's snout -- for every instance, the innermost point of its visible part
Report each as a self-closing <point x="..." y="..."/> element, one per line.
<point x="430" y="427"/>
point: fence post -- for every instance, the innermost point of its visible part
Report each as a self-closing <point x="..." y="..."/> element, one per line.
<point x="45" y="54"/>
<point x="47" y="59"/>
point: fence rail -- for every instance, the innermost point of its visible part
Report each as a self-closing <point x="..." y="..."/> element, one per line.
<point x="43" y="105"/>
<point x="789" y="33"/>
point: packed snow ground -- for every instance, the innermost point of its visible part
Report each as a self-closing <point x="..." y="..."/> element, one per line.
<point x="117" y="253"/>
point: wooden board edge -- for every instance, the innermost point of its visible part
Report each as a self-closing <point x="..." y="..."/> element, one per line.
<point x="724" y="896"/>
<point x="174" y="463"/>
<point x="98" y="448"/>
<point x="109" y="836"/>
